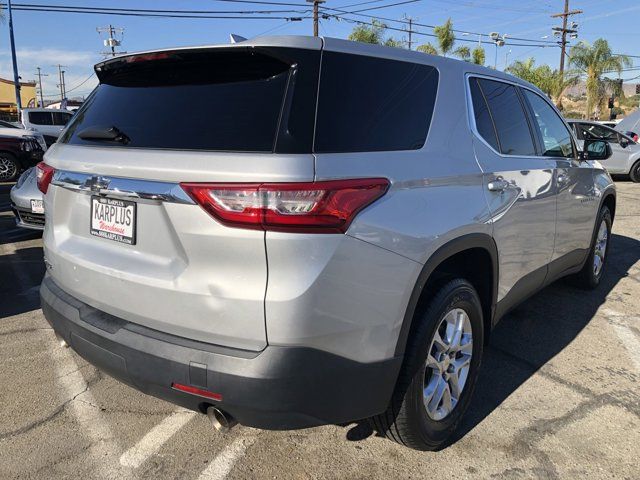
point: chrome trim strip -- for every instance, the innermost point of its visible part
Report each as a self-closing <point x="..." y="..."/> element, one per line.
<point x="128" y="188"/>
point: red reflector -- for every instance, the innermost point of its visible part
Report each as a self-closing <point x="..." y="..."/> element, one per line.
<point x="44" y="175"/>
<point x="313" y="207"/>
<point x="196" y="391"/>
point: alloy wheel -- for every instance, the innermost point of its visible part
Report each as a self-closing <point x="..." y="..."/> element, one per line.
<point x="600" y="248"/>
<point x="448" y="363"/>
<point x="8" y="168"/>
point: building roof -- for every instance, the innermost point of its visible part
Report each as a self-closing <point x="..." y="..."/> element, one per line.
<point x="24" y="84"/>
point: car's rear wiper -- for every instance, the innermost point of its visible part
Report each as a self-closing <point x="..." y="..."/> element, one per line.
<point x="104" y="133"/>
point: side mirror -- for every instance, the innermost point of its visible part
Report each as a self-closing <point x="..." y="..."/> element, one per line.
<point x="624" y="143"/>
<point x="596" y="150"/>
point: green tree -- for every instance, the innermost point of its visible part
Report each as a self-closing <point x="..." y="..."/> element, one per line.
<point x="374" y="33"/>
<point x="548" y="80"/>
<point x="463" y="53"/>
<point x="446" y="37"/>
<point x="594" y="60"/>
<point x="427" y="48"/>
<point x="478" y="56"/>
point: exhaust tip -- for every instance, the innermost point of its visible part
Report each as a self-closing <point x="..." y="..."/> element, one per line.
<point x="61" y="341"/>
<point x="220" y="420"/>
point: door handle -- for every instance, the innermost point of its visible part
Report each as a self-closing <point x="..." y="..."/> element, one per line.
<point x="498" y="185"/>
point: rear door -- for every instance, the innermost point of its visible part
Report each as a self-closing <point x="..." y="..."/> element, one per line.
<point x="519" y="186"/>
<point x="122" y="234"/>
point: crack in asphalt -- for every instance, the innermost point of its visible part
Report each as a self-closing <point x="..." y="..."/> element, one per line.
<point x="25" y="330"/>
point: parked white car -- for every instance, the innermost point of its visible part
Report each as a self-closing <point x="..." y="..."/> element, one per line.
<point x="49" y="123"/>
<point x="10" y="130"/>
<point x="626" y="153"/>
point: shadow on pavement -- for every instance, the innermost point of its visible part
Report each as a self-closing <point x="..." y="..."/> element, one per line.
<point x="14" y="299"/>
<point x="532" y="334"/>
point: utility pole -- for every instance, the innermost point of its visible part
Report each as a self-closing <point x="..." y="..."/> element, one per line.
<point x="564" y="30"/>
<point x="410" y="31"/>
<point x="40" y="75"/>
<point x="111" y="42"/>
<point x="315" y="15"/>
<point x="64" y="87"/>
<point x="61" y="81"/>
<point x="16" y="77"/>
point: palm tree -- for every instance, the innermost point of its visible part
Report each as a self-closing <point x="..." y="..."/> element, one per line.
<point x="463" y="53"/>
<point x="446" y="37"/>
<point x="373" y="33"/>
<point x="427" y="48"/>
<point x="547" y="80"/>
<point x="478" y="56"/>
<point x="594" y="60"/>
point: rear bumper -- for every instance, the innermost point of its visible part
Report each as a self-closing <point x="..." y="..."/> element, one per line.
<point x="278" y="388"/>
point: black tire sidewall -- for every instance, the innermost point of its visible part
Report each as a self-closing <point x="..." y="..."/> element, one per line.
<point x="464" y="297"/>
<point x="635" y="172"/>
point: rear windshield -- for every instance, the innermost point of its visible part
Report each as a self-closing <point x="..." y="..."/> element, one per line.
<point x="227" y="100"/>
<point x="258" y="100"/>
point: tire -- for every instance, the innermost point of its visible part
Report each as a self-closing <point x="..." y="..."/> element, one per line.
<point x="591" y="274"/>
<point x="9" y="167"/>
<point x="408" y="420"/>
<point x="634" y="173"/>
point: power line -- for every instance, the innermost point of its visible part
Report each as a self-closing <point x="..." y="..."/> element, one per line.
<point x="563" y="43"/>
<point x="247" y="15"/>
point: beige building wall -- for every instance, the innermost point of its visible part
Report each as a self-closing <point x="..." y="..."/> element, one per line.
<point x="8" y="95"/>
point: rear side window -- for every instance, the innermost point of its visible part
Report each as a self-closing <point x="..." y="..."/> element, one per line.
<point x="484" y="124"/>
<point x="236" y="99"/>
<point x="509" y="118"/>
<point x="60" y="118"/>
<point x="40" y="118"/>
<point x="371" y="104"/>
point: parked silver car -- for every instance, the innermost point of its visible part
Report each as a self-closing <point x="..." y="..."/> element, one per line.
<point x="335" y="243"/>
<point x="26" y="201"/>
<point x="625" y="158"/>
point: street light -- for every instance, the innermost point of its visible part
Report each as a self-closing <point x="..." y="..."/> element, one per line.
<point x="499" y="41"/>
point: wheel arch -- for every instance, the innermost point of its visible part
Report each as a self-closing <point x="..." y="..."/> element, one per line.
<point x="452" y="259"/>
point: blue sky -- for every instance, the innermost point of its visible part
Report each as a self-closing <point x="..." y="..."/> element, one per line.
<point x="45" y="39"/>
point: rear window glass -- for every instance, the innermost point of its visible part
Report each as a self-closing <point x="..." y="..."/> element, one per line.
<point x="507" y="112"/>
<point x="40" y="118"/>
<point x="220" y="100"/>
<point x="372" y="104"/>
<point x="60" y="118"/>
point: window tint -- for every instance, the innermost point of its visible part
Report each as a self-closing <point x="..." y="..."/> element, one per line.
<point x="372" y="104"/>
<point x="514" y="135"/>
<point x="220" y="100"/>
<point x="40" y="118"/>
<point x="556" y="139"/>
<point x="599" y="132"/>
<point x="484" y="124"/>
<point x="60" y="118"/>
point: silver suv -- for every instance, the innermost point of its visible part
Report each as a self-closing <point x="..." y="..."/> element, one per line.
<point x="294" y="231"/>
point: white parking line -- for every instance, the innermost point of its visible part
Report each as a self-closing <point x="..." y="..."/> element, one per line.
<point x="222" y="465"/>
<point x="627" y="337"/>
<point x="631" y="342"/>
<point x="157" y="436"/>
<point x="104" y="449"/>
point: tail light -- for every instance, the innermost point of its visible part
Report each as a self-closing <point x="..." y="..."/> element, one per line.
<point x="314" y="207"/>
<point x="44" y="175"/>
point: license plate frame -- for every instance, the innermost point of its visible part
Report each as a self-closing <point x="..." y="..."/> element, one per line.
<point x="113" y="229"/>
<point x="37" y="206"/>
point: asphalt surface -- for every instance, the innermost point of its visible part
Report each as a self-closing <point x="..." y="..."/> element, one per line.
<point x="558" y="396"/>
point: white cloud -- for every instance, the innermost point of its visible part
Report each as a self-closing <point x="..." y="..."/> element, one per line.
<point x="78" y="66"/>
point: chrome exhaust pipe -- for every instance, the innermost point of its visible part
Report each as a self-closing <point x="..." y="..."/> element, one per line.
<point x="61" y="341"/>
<point x="221" y="421"/>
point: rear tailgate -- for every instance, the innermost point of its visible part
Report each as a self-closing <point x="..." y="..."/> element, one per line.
<point x="177" y="270"/>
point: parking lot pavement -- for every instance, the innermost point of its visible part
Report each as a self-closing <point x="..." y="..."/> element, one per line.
<point x="558" y="396"/>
